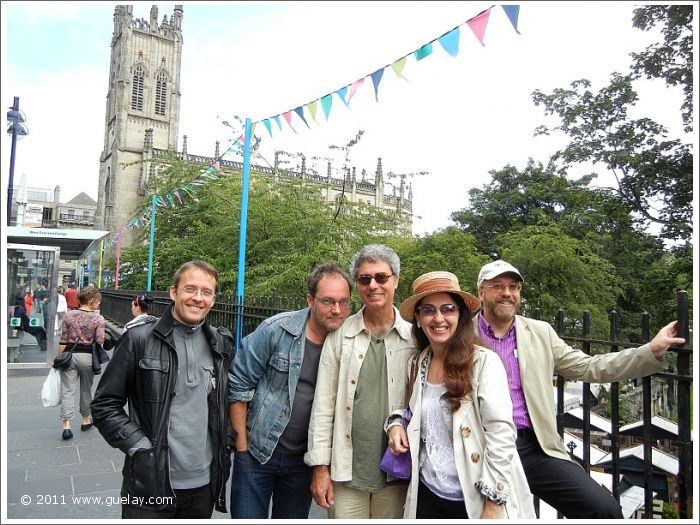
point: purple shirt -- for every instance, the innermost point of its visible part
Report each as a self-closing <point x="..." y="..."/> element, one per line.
<point x="505" y="347"/>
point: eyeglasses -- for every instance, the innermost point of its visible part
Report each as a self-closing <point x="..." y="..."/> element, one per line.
<point x="445" y="309"/>
<point x="191" y="290"/>
<point x="327" y="301"/>
<point x="499" y="287"/>
<point x="381" y="278"/>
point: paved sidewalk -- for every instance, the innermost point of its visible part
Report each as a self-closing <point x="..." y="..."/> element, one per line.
<point x="49" y="478"/>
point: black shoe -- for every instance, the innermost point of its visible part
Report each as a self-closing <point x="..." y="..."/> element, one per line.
<point x="67" y="433"/>
<point x="86" y="427"/>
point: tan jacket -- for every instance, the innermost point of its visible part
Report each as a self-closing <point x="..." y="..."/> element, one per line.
<point x="542" y="354"/>
<point x="483" y="438"/>
<point x="331" y="428"/>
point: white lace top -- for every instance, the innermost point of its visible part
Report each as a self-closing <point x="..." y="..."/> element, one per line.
<point x="437" y="459"/>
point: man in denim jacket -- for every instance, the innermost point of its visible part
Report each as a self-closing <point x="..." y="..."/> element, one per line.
<point x="271" y="390"/>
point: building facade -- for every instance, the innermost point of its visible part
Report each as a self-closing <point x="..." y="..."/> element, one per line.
<point x="143" y="94"/>
<point x="141" y="129"/>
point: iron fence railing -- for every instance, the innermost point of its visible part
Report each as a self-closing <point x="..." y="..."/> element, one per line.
<point x="116" y="306"/>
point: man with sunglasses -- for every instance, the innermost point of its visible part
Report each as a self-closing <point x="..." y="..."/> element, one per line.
<point x="271" y="389"/>
<point x="361" y="380"/>
<point x="532" y="354"/>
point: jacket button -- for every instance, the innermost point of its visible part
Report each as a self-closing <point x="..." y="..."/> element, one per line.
<point x="475" y="457"/>
<point x="347" y="408"/>
<point x="499" y="486"/>
<point x="360" y="356"/>
<point x="466" y="432"/>
<point x="347" y="436"/>
<point x="352" y="381"/>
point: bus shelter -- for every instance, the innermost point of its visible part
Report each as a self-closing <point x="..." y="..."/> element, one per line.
<point x="33" y="257"/>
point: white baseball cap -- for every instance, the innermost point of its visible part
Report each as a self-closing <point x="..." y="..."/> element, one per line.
<point x="494" y="269"/>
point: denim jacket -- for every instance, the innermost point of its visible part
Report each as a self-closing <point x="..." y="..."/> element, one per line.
<point x="265" y="374"/>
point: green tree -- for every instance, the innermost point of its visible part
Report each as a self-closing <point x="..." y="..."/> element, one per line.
<point x="672" y="59"/>
<point x="653" y="173"/>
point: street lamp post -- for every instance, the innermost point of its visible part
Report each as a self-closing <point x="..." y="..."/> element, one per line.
<point x="16" y="128"/>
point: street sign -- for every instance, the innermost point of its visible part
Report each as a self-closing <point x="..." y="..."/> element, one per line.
<point x="15" y="321"/>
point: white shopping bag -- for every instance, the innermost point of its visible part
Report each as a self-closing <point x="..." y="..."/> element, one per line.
<point x="51" y="391"/>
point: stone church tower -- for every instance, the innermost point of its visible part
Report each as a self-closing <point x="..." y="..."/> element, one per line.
<point x="143" y="100"/>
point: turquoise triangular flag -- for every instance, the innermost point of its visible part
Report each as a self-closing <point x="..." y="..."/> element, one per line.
<point x="326" y="103"/>
<point x="341" y="93"/>
<point x="279" y="123"/>
<point x="450" y="42"/>
<point x="268" y="126"/>
<point x="423" y="51"/>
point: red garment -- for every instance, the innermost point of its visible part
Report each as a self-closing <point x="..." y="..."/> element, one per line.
<point x="28" y="303"/>
<point x="71" y="296"/>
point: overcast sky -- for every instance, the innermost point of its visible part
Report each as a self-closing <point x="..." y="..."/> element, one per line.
<point x="456" y="118"/>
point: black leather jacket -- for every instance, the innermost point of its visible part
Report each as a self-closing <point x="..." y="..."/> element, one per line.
<point x="141" y="373"/>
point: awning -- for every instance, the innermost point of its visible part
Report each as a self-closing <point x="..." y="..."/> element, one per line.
<point x="73" y="243"/>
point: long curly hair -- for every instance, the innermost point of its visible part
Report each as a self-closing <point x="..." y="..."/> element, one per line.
<point x="459" y="358"/>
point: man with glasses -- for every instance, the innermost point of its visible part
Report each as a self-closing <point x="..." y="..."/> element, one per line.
<point x="271" y="389"/>
<point x="173" y="373"/>
<point x="532" y="354"/>
<point x="361" y="380"/>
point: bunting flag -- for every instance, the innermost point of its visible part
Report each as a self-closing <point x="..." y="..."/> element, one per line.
<point x="423" y="51"/>
<point x="341" y="95"/>
<point x="450" y="42"/>
<point x="313" y="106"/>
<point x="300" y="111"/>
<point x="355" y="86"/>
<point x="326" y="103"/>
<point x="512" y="12"/>
<point x="398" y="67"/>
<point x="376" y="79"/>
<point x="478" y="24"/>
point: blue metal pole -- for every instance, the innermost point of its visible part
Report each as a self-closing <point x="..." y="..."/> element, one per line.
<point x="15" y="107"/>
<point x="150" y="243"/>
<point x="240" y="285"/>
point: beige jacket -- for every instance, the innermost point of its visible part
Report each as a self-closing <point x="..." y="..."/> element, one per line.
<point x="483" y="438"/>
<point x="542" y="354"/>
<point x="331" y="428"/>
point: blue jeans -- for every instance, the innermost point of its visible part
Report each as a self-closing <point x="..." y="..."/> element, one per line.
<point x="284" y="478"/>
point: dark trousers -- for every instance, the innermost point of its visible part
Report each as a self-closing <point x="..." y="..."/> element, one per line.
<point x="284" y="479"/>
<point x="431" y="506"/>
<point x="191" y="503"/>
<point x="563" y="484"/>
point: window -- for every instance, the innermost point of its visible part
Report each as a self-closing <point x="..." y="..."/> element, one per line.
<point x="71" y="213"/>
<point x="137" y="90"/>
<point x="161" y="94"/>
<point x="86" y="215"/>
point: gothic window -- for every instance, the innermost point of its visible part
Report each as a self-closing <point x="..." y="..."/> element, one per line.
<point x="108" y="189"/>
<point x="161" y="94"/>
<point x="137" y="90"/>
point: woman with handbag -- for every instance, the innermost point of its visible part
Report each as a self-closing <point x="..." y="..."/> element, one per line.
<point x="80" y="328"/>
<point x="461" y="436"/>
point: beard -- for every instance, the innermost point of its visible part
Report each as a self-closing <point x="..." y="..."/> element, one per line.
<point x="502" y="312"/>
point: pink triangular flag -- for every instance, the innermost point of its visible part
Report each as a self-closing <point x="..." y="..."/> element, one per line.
<point x="288" y="117"/>
<point x="354" y="87"/>
<point x="478" y="24"/>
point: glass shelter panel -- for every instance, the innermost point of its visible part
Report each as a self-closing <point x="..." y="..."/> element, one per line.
<point x="32" y="275"/>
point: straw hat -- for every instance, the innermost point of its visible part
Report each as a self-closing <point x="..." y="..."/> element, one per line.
<point x="434" y="282"/>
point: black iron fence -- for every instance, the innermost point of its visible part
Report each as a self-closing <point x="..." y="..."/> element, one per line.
<point x="116" y="306"/>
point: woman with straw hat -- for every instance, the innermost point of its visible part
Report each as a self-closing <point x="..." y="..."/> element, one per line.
<point x="461" y="434"/>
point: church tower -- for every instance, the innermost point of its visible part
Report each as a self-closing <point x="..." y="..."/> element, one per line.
<point x="143" y="100"/>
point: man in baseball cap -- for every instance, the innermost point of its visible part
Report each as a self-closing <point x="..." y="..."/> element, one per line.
<point x="494" y="269"/>
<point x="532" y="354"/>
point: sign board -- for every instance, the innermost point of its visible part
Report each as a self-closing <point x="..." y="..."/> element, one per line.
<point x="15" y="321"/>
<point x="34" y="322"/>
<point x="33" y="215"/>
